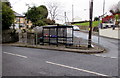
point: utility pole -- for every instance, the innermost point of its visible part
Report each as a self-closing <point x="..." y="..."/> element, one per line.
<point x="103" y="7"/>
<point x="90" y="26"/>
<point x="72" y="13"/>
<point x="99" y="26"/>
<point x="65" y="17"/>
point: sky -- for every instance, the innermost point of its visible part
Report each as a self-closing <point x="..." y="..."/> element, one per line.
<point x="80" y="8"/>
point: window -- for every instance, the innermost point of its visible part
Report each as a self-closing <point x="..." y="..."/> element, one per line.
<point x="17" y="19"/>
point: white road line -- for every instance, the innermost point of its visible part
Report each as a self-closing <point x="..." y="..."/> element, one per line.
<point x="114" y="57"/>
<point x="77" y="69"/>
<point x="98" y="55"/>
<point x="15" y="55"/>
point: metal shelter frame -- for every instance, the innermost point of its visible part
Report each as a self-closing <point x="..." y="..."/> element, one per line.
<point x="58" y="35"/>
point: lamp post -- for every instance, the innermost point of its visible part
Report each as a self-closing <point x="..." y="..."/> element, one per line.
<point x="90" y="25"/>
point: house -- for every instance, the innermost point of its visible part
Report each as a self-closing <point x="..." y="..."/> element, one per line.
<point x="20" y="22"/>
<point x="28" y="23"/>
<point x="110" y="21"/>
<point x="110" y="26"/>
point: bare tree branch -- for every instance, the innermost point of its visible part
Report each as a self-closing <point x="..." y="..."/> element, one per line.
<point x="53" y="10"/>
<point x="115" y="8"/>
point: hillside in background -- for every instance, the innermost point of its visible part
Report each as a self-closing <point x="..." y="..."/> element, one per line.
<point x="95" y="23"/>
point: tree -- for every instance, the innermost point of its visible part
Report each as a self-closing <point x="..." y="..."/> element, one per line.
<point x="40" y="23"/>
<point x="96" y="19"/>
<point x="115" y="8"/>
<point x="37" y="14"/>
<point x="8" y="4"/>
<point x="45" y="13"/>
<point x="49" y="21"/>
<point x="7" y="16"/>
<point x="53" y="10"/>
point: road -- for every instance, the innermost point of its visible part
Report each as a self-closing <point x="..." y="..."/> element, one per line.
<point x="21" y="61"/>
<point x="111" y="45"/>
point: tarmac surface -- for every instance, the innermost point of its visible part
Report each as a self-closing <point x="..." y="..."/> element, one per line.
<point x="22" y="61"/>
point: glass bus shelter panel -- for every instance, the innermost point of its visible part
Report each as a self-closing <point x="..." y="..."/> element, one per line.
<point x="69" y="40"/>
<point x="53" y="40"/>
<point x="53" y="32"/>
<point x="61" y="32"/>
<point x="62" y="40"/>
<point x="69" y="32"/>
<point x="46" y="35"/>
<point x="53" y="35"/>
<point x="46" y="32"/>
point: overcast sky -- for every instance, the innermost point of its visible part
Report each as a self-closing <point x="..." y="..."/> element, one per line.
<point x="81" y="7"/>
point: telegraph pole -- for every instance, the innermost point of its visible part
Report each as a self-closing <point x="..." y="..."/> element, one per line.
<point x="72" y="13"/>
<point x="65" y="17"/>
<point x="103" y="7"/>
<point x="90" y="25"/>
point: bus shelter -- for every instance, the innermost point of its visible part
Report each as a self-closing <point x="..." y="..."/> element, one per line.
<point x="58" y="35"/>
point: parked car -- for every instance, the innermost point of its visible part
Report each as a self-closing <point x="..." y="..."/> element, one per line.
<point x="76" y="28"/>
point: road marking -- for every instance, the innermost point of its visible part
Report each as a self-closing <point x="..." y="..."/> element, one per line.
<point x="114" y="57"/>
<point x="98" y="55"/>
<point x="15" y="55"/>
<point x="76" y="68"/>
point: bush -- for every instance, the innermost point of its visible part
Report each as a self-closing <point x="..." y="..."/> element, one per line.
<point x="49" y="22"/>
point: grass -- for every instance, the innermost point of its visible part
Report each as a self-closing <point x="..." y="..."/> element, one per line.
<point x="95" y="23"/>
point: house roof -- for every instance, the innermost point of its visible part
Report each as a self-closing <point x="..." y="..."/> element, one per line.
<point x="18" y="15"/>
<point x="107" y="18"/>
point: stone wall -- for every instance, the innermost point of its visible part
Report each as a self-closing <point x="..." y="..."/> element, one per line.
<point x="9" y="36"/>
